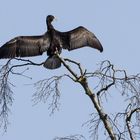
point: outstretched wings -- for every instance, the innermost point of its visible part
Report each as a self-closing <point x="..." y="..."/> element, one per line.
<point x="35" y="45"/>
<point x="81" y="37"/>
<point x="25" y="46"/>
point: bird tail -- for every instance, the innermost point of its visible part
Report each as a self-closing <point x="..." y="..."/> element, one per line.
<point x="52" y="62"/>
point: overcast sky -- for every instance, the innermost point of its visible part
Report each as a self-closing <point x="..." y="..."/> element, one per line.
<point x="115" y="23"/>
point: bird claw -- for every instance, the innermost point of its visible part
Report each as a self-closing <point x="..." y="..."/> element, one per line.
<point x="56" y="51"/>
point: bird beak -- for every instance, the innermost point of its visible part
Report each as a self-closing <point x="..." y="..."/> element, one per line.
<point x="55" y="18"/>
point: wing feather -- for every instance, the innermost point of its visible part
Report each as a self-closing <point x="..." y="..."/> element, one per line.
<point x="81" y="37"/>
<point x="25" y="46"/>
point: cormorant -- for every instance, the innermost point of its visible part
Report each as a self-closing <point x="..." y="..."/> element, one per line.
<point x="51" y="42"/>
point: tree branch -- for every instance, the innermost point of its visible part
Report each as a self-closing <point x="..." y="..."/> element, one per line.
<point x="106" y="78"/>
<point x="128" y="120"/>
<point x="103" y="116"/>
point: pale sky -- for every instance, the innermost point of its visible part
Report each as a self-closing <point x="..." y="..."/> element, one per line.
<point x="115" y="23"/>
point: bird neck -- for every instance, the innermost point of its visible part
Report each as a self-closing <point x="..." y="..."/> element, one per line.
<point x="49" y="25"/>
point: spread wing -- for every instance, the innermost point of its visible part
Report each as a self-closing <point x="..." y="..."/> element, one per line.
<point x="25" y="46"/>
<point x="81" y="37"/>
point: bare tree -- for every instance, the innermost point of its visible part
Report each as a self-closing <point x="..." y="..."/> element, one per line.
<point x="123" y="125"/>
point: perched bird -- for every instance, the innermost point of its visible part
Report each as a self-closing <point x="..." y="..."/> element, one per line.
<point x="51" y="42"/>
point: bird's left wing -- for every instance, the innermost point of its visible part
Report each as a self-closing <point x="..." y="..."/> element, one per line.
<point x="81" y="37"/>
<point x="24" y="46"/>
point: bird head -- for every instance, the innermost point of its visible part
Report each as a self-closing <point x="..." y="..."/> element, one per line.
<point x="50" y="18"/>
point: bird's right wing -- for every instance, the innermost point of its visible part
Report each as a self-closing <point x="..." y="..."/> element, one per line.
<point x="24" y="46"/>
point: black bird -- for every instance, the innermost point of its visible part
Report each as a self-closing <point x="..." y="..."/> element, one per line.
<point x="51" y="42"/>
